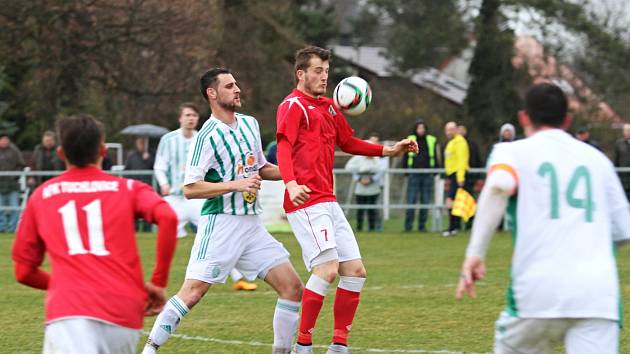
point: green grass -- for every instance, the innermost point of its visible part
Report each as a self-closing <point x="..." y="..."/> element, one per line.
<point x="408" y="302"/>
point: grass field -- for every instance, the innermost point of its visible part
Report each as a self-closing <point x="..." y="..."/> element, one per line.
<point x="408" y="305"/>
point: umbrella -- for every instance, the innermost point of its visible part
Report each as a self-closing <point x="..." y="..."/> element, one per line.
<point x="147" y="130"/>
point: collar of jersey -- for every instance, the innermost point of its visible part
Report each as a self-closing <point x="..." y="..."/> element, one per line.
<point x="227" y="125"/>
<point x="83" y="170"/>
<point x="318" y="100"/>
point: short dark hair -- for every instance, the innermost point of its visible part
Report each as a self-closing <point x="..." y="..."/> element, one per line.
<point x="546" y="104"/>
<point x="304" y="55"/>
<point x="189" y="105"/>
<point x="49" y="133"/>
<point x="81" y="137"/>
<point x="210" y="79"/>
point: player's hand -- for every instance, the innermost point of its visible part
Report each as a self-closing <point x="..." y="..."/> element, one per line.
<point x="298" y="193"/>
<point x="473" y="269"/>
<point x="249" y="184"/>
<point x="449" y="203"/>
<point x="401" y="147"/>
<point x="156" y="299"/>
<point x="165" y="189"/>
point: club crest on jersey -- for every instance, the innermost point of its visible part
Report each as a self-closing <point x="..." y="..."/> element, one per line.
<point x="332" y="111"/>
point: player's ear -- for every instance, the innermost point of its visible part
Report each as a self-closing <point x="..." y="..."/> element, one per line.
<point x="211" y="93"/>
<point x="300" y="74"/>
<point x="102" y="150"/>
<point x="524" y="120"/>
<point x="60" y="153"/>
<point x="568" y="120"/>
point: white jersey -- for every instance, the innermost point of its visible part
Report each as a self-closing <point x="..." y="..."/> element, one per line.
<point x="564" y="259"/>
<point x="170" y="160"/>
<point x="221" y="154"/>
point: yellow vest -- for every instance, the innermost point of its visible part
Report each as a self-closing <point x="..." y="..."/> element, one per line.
<point x="456" y="157"/>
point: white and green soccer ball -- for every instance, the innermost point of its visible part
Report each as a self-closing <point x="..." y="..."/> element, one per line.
<point x="352" y="95"/>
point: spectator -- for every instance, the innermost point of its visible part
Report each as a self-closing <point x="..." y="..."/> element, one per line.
<point x="10" y="160"/>
<point x="456" y="164"/>
<point x="583" y="134"/>
<point x="271" y="151"/>
<point x="45" y="158"/>
<point x="141" y="159"/>
<point x="507" y="133"/>
<point x="622" y="157"/>
<point x="475" y="160"/>
<point x="420" y="184"/>
<point x="367" y="172"/>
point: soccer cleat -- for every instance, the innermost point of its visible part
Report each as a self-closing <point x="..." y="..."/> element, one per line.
<point x="245" y="285"/>
<point x="302" y="349"/>
<point x="150" y="347"/>
<point x="337" y="349"/>
<point x="278" y="350"/>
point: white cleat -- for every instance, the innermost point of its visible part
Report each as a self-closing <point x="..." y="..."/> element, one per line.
<point x="278" y="350"/>
<point x="302" y="349"/>
<point x="337" y="349"/>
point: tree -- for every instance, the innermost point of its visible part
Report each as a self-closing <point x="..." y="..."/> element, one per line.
<point x="418" y="34"/>
<point x="492" y="98"/>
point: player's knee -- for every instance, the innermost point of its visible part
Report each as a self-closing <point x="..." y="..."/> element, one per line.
<point x="293" y="290"/>
<point x="327" y="272"/>
<point x="358" y="271"/>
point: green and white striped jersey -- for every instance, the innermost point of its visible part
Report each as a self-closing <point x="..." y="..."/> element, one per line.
<point x="221" y="154"/>
<point x="170" y="160"/>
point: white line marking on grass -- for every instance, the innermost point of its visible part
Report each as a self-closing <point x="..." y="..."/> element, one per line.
<point x="260" y="344"/>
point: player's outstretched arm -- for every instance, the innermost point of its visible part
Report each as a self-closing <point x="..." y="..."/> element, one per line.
<point x="270" y="172"/>
<point x="205" y="190"/>
<point x="402" y="147"/>
<point x="499" y="185"/>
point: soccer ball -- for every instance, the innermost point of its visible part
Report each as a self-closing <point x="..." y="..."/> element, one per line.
<point x="352" y="95"/>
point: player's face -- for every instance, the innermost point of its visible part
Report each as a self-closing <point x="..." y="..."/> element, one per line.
<point x="316" y="77"/>
<point x="228" y="93"/>
<point x="626" y="131"/>
<point x="188" y="119"/>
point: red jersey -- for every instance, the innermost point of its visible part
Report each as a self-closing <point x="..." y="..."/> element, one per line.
<point x="310" y="128"/>
<point x="85" y="220"/>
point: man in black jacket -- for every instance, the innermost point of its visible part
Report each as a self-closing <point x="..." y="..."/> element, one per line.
<point x="420" y="184"/>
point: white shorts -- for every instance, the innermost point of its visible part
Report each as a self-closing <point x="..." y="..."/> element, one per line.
<point x="187" y="210"/>
<point x="321" y="227"/>
<point x="80" y="335"/>
<point x="515" y="335"/>
<point x="225" y="242"/>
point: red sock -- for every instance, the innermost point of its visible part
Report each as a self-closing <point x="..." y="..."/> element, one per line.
<point x="346" y="303"/>
<point x="311" y="305"/>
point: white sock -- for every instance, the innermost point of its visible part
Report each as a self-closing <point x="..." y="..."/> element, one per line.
<point x="236" y="275"/>
<point x="317" y="285"/>
<point x="285" y="322"/>
<point x="168" y="320"/>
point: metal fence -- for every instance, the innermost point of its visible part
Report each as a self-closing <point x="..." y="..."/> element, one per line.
<point x="392" y="201"/>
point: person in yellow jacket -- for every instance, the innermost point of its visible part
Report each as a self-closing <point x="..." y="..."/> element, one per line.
<point x="456" y="164"/>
